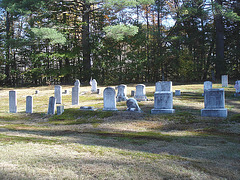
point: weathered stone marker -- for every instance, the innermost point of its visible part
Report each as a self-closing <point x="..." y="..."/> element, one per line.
<point x="60" y="110"/>
<point x="132" y="93"/>
<point x="224" y="80"/>
<point x="12" y="101"/>
<point x="132" y="105"/>
<point x="207" y="85"/>
<point x="163" y="86"/>
<point x="29" y="104"/>
<point x="51" y="105"/>
<point x="140" y="93"/>
<point x="58" y="94"/>
<point x="122" y="92"/>
<point x="163" y="102"/>
<point x="177" y="92"/>
<point x="66" y="92"/>
<point x="237" y="87"/>
<point x="75" y="93"/>
<point x="109" y="99"/>
<point x="214" y="103"/>
<point x="94" y="86"/>
<point x="37" y="92"/>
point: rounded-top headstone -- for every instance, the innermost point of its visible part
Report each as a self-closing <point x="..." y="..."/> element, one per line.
<point x="109" y="99"/>
<point x="132" y="105"/>
<point x="77" y="83"/>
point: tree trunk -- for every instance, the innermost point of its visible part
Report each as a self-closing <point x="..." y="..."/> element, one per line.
<point x="220" y="64"/>
<point x="86" y="43"/>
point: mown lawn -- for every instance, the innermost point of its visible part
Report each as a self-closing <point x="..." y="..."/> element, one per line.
<point x="119" y="145"/>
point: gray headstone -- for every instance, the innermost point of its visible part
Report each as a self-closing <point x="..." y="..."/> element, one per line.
<point x="75" y="95"/>
<point x="132" y="105"/>
<point x="224" y="80"/>
<point x="94" y="86"/>
<point x="163" y="102"/>
<point x="12" y="101"/>
<point x="58" y="94"/>
<point x="237" y="86"/>
<point x="29" y="104"/>
<point x="88" y="108"/>
<point x="177" y="92"/>
<point x="207" y="85"/>
<point x="122" y="92"/>
<point x="77" y="83"/>
<point x="163" y="86"/>
<point x="132" y="93"/>
<point x="109" y="99"/>
<point x="60" y="110"/>
<point x="214" y="103"/>
<point x="52" y="105"/>
<point x="140" y="93"/>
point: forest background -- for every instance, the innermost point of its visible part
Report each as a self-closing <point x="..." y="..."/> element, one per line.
<point x="116" y="41"/>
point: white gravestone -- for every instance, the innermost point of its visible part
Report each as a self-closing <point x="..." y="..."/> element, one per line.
<point x="237" y="87"/>
<point x="214" y="103"/>
<point x="163" y="102"/>
<point x="58" y="94"/>
<point x="122" y="92"/>
<point x="94" y="86"/>
<point x="224" y="80"/>
<point x="12" y="101"/>
<point x="109" y="99"/>
<point x="52" y="105"/>
<point x="163" y="86"/>
<point x="29" y="104"/>
<point x="75" y="93"/>
<point x="140" y="93"/>
<point x="132" y="105"/>
<point x="207" y="85"/>
<point x="177" y="92"/>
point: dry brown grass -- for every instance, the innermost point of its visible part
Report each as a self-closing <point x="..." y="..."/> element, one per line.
<point x="121" y="145"/>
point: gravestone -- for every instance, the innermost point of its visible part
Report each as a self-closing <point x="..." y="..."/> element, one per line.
<point x="237" y="87"/>
<point x="132" y="105"/>
<point x="88" y="108"/>
<point x="163" y="86"/>
<point x="94" y="86"/>
<point x="98" y="91"/>
<point x="132" y="93"/>
<point x="66" y="92"/>
<point x="214" y="103"/>
<point x="140" y="93"/>
<point x="12" y="101"/>
<point x="224" y="80"/>
<point x="122" y="91"/>
<point x="51" y="105"/>
<point x="60" y="110"/>
<point x="75" y="93"/>
<point x="163" y="102"/>
<point x="207" y="85"/>
<point x="177" y="92"/>
<point x="109" y="99"/>
<point x="29" y="104"/>
<point x="37" y="92"/>
<point x="58" y="94"/>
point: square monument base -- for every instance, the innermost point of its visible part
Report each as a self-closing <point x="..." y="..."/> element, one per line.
<point x="214" y="112"/>
<point x="162" y="111"/>
<point x="107" y="109"/>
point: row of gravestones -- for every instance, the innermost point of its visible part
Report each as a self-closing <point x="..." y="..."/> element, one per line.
<point x="214" y="100"/>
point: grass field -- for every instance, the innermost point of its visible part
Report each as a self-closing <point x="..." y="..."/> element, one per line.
<point x="119" y="145"/>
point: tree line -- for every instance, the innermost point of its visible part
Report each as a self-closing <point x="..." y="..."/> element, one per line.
<point x="57" y="41"/>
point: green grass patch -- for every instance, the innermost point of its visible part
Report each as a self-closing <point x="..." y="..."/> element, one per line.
<point x="5" y="139"/>
<point x="235" y="118"/>
<point x="14" y="117"/>
<point x="23" y="127"/>
<point x="76" y="116"/>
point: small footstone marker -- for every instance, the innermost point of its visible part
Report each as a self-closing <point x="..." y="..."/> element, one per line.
<point x="88" y="108"/>
<point x="132" y="93"/>
<point x="29" y="104"/>
<point x="177" y="92"/>
<point x="60" y="110"/>
<point x="12" y="101"/>
<point x="52" y="105"/>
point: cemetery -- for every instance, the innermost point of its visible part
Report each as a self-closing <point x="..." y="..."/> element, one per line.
<point x="174" y="136"/>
